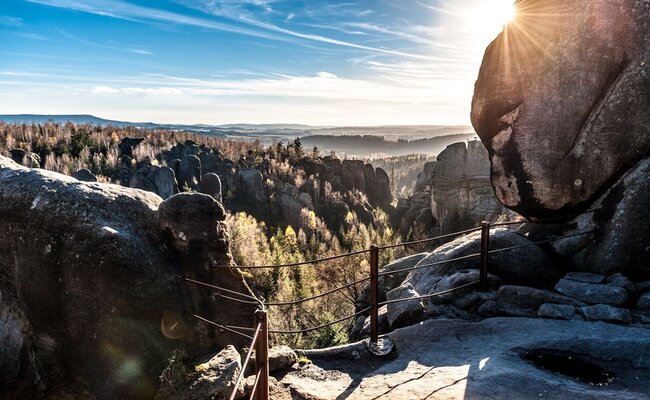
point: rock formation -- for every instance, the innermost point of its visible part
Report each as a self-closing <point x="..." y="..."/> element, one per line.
<point x="556" y="154"/>
<point x="452" y="193"/>
<point x="461" y="193"/>
<point x="89" y="296"/>
<point x="562" y="102"/>
<point x="564" y="114"/>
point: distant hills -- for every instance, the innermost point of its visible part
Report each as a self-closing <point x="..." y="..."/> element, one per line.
<point x="91" y="119"/>
<point x="359" y="141"/>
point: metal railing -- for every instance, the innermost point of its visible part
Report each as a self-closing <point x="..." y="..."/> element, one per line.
<point x="261" y="331"/>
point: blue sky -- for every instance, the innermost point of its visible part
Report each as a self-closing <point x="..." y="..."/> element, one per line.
<point x="257" y="61"/>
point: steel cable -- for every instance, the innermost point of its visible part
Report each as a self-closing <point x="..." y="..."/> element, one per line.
<point x="288" y="303"/>
<point x="296" y="264"/>
<point x="429" y="295"/>
<point x="321" y="326"/>
<point x="224" y="327"/>
<point x="246" y="360"/>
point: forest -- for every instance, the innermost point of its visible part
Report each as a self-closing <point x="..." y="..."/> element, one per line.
<point x="256" y="238"/>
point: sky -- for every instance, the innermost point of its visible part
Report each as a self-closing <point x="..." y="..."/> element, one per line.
<point x="325" y="63"/>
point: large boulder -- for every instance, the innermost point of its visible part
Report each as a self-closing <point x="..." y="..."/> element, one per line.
<point x="526" y="264"/>
<point x="209" y="162"/>
<point x="211" y="185"/>
<point x="165" y="180"/>
<point x="613" y="237"/>
<point x="562" y="102"/>
<point x="89" y="296"/>
<point x="389" y="281"/>
<point x="139" y="180"/>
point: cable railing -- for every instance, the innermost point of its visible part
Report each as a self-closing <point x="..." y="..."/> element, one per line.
<point x="259" y="334"/>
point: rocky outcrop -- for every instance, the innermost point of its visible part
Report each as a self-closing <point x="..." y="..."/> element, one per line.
<point x="452" y="193"/>
<point x="90" y="300"/>
<point x="251" y="186"/>
<point x="382" y="193"/>
<point x="527" y="265"/>
<point x="165" y="181"/>
<point x="461" y="192"/>
<point x="353" y="174"/>
<point x="554" y="151"/>
<point x="552" y="155"/>
<point x="211" y="185"/>
<point x="189" y="172"/>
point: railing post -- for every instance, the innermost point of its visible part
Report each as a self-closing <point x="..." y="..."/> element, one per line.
<point x="262" y="356"/>
<point x="374" y="293"/>
<point x="485" y="248"/>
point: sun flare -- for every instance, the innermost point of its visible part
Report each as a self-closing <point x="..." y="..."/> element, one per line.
<point x="491" y="16"/>
<point x="502" y="11"/>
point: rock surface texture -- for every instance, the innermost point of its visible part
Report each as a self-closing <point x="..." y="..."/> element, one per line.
<point x="443" y="359"/>
<point x="89" y="297"/>
<point x="567" y="111"/>
<point x="461" y="193"/>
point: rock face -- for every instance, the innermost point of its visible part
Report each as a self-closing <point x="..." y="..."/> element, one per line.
<point x="622" y="226"/>
<point x="382" y="192"/>
<point x="88" y="284"/>
<point x="251" y="185"/>
<point x="189" y="172"/>
<point x="165" y="180"/>
<point x="353" y="175"/>
<point x="565" y="114"/>
<point x="461" y="192"/>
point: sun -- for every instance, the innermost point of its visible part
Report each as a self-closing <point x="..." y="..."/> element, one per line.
<point x="489" y="17"/>
<point x="502" y="11"/>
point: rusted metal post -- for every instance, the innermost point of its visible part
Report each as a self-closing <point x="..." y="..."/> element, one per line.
<point x="485" y="248"/>
<point x="374" y="293"/>
<point x="262" y="356"/>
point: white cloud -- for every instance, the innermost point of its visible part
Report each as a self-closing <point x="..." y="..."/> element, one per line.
<point x="326" y="75"/>
<point x="140" y="51"/>
<point x="104" y="90"/>
<point x="21" y="73"/>
<point x="157" y="91"/>
<point x="123" y="10"/>
<point x="10" y="21"/>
